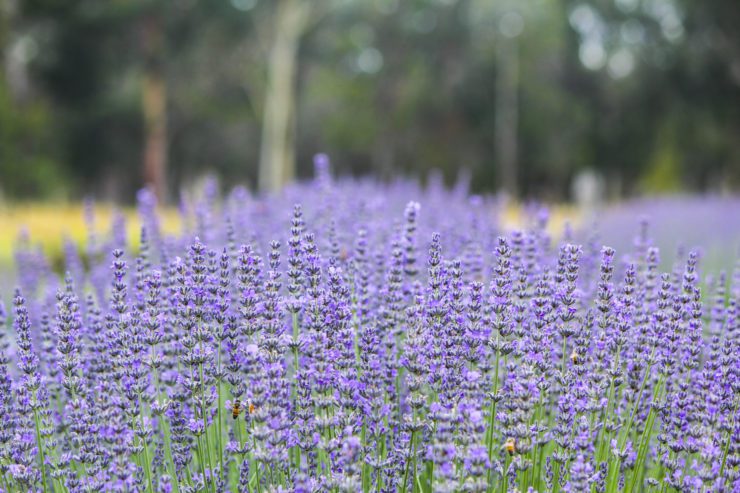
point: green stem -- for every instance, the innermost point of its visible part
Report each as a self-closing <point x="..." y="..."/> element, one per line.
<point x="365" y="474"/>
<point x="219" y="411"/>
<point x="505" y="478"/>
<point x="613" y="474"/>
<point x="492" y="417"/>
<point x="205" y="429"/>
<point x="145" y="448"/>
<point x="536" y="448"/>
<point x="256" y="464"/>
<point x="294" y="389"/>
<point x="414" y="442"/>
<point x="201" y="461"/>
<point x="558" y="466"/>
<point x="380" y="451"/>
<point x="413" y="454"/>
<point x="168" y="453"/>
<point x="661" y="475"/>
<point x="430" y="465"/>
<point x="205" y="417"/>
<point x="6" y="487"/>
<point x="556" y="479"/>
<point x="645" y="438"/>
<point x="147" y="465"/>
<point x="42" y="460"/>
<point x="604" y="435"/>
<point x="729" y="440"/>
<point x="564" y="357"/>
<point x="165" y="427"/>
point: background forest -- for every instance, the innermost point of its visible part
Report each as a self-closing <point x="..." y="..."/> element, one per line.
<point x="101" y="96"/>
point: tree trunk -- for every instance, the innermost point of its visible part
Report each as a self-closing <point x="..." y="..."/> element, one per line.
<point x="506" y="120"/>
<point x="154" y="108"/>
<point x="277" y="159"/>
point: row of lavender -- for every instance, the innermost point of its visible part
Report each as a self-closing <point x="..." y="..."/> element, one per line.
<point x="360" y="343"/>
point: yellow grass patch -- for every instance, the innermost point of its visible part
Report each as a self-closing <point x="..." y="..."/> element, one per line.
<point x="48" y="225"/>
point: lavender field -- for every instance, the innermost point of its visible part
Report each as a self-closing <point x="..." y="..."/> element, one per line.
<point x="349" y="336"/>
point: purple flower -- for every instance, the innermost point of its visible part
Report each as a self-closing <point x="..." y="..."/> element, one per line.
<point x="335" y="362"/>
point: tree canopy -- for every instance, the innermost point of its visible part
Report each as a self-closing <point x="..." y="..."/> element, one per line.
<point x="96" y="95"/>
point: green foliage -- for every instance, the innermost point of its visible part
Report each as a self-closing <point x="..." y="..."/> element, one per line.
<point x="27" y="168"/>
<point x="664" y="171"/>
<point x="383" y="86"/>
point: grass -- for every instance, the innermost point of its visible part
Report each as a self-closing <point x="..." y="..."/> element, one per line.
<point x="50" y="225"/>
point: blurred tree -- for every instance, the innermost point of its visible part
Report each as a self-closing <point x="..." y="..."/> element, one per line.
<point x="705" y="88"/>
<point x="661" y="67"/>
<point x="507" y="100"/>
<point x="277" y="158"/>
<point x="26" y="137"/>
<point x="154" y="100"/>
<point x="84" y="67"/>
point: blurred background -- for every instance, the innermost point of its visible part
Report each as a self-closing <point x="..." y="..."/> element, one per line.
<point x="551" y="99"/>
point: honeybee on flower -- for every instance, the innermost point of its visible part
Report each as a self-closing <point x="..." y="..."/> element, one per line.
<point x="239" y="407"/>
<point x="236" y="408"/>
<point x="510" y="445"/>
<point x="575" y="358"/>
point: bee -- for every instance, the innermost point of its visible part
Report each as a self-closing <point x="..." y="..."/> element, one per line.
<point x="251" y="408"/>
<point x="236" y="409"/>
<point x="510" y="445"/>
<point x="574" y="358"/>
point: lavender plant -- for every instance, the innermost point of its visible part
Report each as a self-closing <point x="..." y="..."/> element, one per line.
<point x="340" y="337"/>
